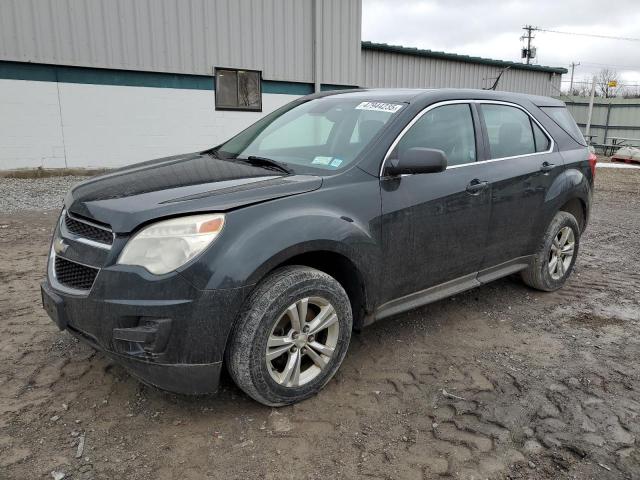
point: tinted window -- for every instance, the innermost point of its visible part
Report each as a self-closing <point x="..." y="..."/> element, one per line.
<point x="542" y="141"/>
<point x="448" y="128"/>
<point x="509" y="131"/>
<point x="563" y="118"/>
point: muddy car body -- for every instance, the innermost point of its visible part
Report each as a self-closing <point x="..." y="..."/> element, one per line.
<point x="403" y="197"/>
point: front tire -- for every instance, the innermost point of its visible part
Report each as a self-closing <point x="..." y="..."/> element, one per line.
<point x="291" y="336"/>
<point x="556" y="255"/>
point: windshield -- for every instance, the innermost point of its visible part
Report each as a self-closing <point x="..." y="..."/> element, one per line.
<point x="326" y="133"/>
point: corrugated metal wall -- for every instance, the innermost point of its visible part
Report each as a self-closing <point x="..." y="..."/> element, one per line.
<point x="186" y="36"/>
<point x="386" y="69"/>
<point x="613" y="117"/>
<point x="340" y="38"/>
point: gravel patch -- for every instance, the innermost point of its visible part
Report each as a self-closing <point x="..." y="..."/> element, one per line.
<point x="21" y="194"/>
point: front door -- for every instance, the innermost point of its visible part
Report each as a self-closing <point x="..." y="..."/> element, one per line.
<point x="434" y="226"/>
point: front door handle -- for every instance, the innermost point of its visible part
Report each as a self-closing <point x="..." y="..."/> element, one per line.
<point x="547" y="167"/>
<point x="476" y="186"/>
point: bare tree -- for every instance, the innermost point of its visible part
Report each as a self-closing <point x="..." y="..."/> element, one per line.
<point x="603" y="79"/>
<point x="248" y="89"/>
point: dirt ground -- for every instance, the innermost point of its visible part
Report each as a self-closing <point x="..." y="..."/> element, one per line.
<point x="499" y="382"/>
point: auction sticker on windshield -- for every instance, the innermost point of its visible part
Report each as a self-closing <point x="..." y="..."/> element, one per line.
<point x="379" y="107"/>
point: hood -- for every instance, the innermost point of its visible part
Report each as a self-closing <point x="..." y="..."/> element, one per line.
<point x="192" y="183"/>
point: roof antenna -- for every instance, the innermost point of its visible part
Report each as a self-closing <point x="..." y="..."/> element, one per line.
<point x="495" y="84"/>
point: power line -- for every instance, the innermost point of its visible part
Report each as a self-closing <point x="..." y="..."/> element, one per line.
<point x="611" y="65"/>
<point x="595" y="35"/>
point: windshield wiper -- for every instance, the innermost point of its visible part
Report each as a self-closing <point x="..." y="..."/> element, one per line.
<point x="265" y="163"/>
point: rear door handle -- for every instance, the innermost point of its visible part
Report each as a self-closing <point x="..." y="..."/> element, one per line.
<point x="547" y="167"/>
<point x="476" y="186"/>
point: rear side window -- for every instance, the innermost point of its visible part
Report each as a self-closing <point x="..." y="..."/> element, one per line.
<point x="542" y="141"/>
<point x="563" y="118"/>
<point x="509" y="131"/>
<point x="448" y="128"/>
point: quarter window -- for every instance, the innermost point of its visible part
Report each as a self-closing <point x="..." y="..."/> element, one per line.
<point x="563" y="118"/>
<point x="238" y="90"/>
<point x="511" y="132"/>
<point x="448" y="128"/>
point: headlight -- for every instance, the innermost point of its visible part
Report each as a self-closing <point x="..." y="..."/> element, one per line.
<point x="164" y="246"/>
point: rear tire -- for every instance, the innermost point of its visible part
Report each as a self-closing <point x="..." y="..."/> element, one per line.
<point x="291" y="336"/>
<point x="556" y="255"/>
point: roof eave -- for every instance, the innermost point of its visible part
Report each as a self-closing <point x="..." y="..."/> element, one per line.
<point x="459" y="58"/>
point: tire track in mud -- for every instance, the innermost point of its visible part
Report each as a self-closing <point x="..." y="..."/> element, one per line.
<point x="550" y="380"/>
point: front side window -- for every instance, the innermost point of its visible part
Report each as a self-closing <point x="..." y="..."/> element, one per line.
<point x="238" y="90"/>
<point x="510" y="131"/>
<point x="448" y="128"/>
<point x="325" y="133"/>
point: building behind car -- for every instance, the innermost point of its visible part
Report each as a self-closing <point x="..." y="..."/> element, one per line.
<point x="109" y="83"/>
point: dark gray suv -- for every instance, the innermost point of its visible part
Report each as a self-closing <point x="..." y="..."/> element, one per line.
<point x="335" y="211"/>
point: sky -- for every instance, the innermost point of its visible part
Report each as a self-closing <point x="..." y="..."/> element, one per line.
<point x="492" y="29"/>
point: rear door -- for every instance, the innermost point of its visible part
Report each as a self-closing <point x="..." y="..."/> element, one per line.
<point x="434" y="225"/>
<point x="522" y="167"/>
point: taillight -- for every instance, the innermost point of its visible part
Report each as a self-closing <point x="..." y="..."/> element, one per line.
<point x="593" y="159"/>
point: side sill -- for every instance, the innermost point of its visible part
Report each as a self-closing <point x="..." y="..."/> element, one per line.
<point x="447" y="289"/>
<point x="423" y="297"/>
<point x="503" y="269"/>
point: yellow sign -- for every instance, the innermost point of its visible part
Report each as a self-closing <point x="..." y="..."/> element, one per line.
<point x="612" y="83"/>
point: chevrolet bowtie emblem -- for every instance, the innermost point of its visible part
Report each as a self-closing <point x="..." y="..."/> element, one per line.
<point x="59" y="246"/>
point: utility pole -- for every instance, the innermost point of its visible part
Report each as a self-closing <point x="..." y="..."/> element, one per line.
<point x="527" y="52"/>
<point x="590" y="114"/>
<point x="573" y="66"/>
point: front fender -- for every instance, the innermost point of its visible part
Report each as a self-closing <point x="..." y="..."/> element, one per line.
<point x="258" y="239"/>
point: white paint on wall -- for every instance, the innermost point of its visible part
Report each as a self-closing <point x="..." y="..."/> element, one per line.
<point x="111" y="126"/>
<point x="30" y="128"/>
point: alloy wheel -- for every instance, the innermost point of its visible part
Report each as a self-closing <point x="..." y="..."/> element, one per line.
<point x="302" y="342"/>
<point x="561" y="253"/>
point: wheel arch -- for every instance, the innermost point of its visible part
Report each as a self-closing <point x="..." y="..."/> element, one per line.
<point x="578" y="208"/>
<point x="334" y="260"/>
<point x="570" y="192"/>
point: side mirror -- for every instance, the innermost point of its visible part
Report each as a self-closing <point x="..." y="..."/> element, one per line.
<point x="417" y="160"/>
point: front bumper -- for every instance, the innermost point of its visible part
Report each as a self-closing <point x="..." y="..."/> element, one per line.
<point x="164" y="331"/>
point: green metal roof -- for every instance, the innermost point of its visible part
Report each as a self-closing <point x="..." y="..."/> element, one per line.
<point x="383" y="47"/>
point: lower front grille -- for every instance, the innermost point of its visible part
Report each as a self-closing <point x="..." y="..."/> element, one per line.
<point x="74" y="275"/>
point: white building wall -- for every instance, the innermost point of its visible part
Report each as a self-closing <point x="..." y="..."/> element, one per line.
<point x="30" y="125"/>
<point x="104" y="126"/>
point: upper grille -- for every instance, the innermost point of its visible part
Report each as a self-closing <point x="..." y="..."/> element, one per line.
<point x="74" y="275"/>
<point x="87" y="230"/>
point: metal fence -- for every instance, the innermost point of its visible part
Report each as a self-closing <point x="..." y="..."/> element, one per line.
<point x="614" y="120"/>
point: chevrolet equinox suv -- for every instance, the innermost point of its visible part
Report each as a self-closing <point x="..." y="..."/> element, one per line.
<point x="339" y="209"/>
